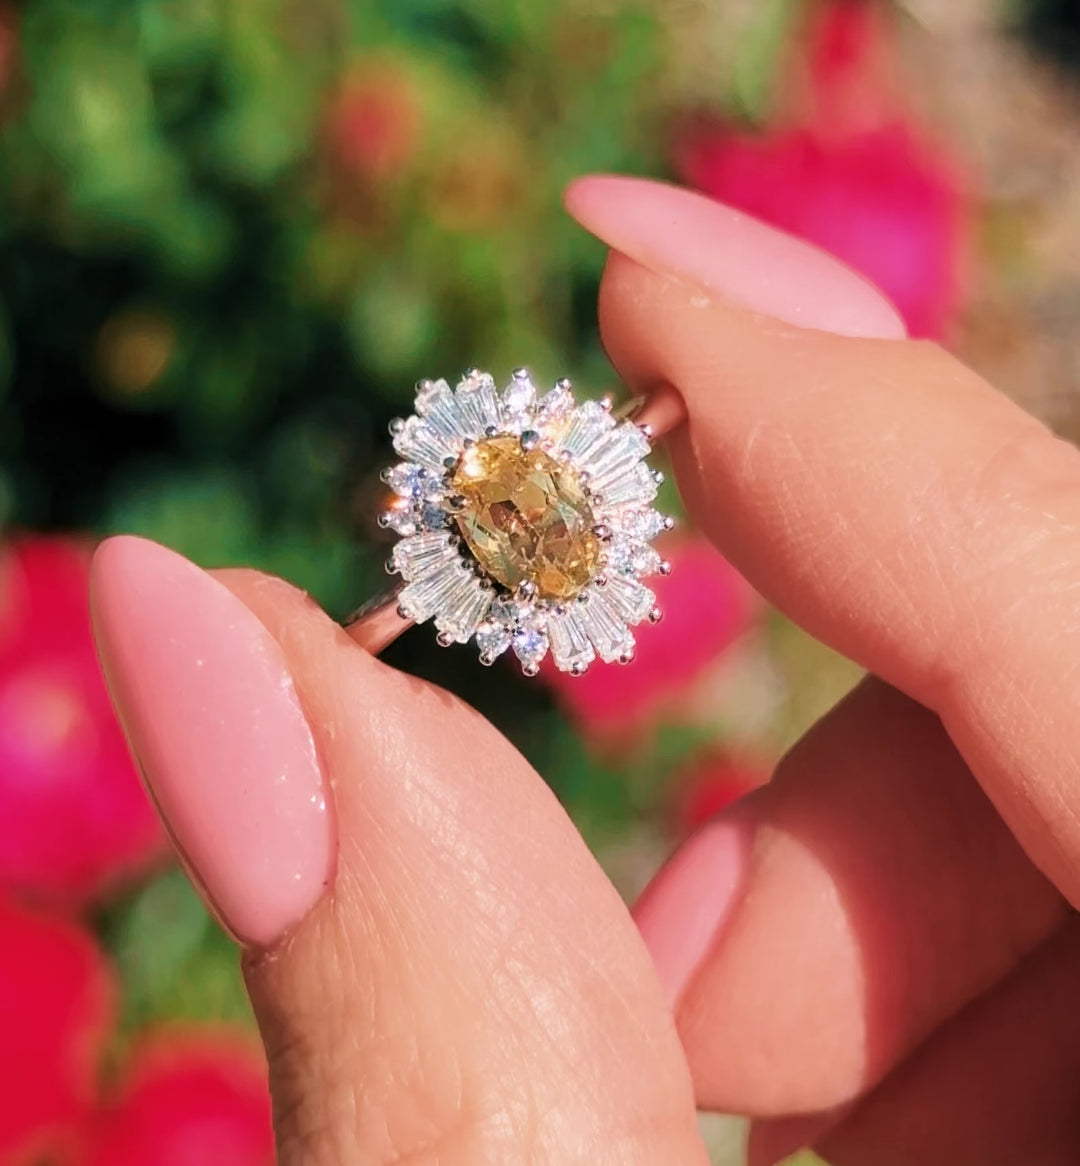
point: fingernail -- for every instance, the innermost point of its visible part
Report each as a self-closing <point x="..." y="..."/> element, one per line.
<point x="682" y="912"/>
<point x="210" y="712"/>
<point x="681" y="233"/>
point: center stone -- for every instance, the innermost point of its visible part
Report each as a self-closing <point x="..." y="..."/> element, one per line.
<point x="526" y="517"/>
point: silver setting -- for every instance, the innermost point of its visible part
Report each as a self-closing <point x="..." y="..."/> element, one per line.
<point x="442" y="582"/>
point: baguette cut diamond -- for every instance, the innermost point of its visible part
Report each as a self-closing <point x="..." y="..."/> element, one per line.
<point x="526" y="518"/>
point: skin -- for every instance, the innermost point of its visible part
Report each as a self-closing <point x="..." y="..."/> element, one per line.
<point x="897" y="980"/>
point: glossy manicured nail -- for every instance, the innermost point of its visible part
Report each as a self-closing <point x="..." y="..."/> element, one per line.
<point x="213" y="719"/>
<point x="736" y="257"/>
<point x="682" y="912"/>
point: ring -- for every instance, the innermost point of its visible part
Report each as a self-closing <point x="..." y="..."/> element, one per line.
<point x="525" y="523"/>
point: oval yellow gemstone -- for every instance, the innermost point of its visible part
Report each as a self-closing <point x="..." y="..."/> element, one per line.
<point x="526" y="517"/>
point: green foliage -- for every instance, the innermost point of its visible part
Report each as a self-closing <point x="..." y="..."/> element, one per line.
<point x="234" y="235"/>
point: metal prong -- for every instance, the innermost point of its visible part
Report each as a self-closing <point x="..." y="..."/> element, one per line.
<point x="578" y="669"/>
<point x="646" y="431"/>
<point x="456" y="502"/>
<point x="594" y="497"/>
<point x="627" y="657"/>
<point x="469" y="442"/>
<point x="607" y="403"/>
<point x="390" y="567"/>
<point x="424" y="384"/>
<point x="664" y="568"/>
<point x="526" y="589"/>
<point x="600" y="581"/>
<point x="564" y="383"/>
<point x="384" y="475"/>
<point x="450" y="463"/>
<point x="383" y="521"/>
<point x="487" y="659"/>
<point x="658" y="477"/>
<point x="669" y="523"/>
<point x="530" y="669"/>
<point x="521" y="374"/>
<point x="471" y="373"/>
<point x="603" y="532"/>
<point x="530" y="439"/>
<point x="582" y="598"/>
<point x="491" y="431"/>
<point x="403" y="611"/>
<point x="396" y="426"/>
<point x="444" y="639"/>
<point x="656" y="615"/>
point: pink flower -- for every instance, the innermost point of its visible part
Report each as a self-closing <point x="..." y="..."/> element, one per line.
<point x="711" y="786"/>
<point x="192" y="1099"/>
<point x="75" y="818"/>
<point x="706" y="606"/>
<point x="859" y="178"/>
<point x="56" y="1008"/>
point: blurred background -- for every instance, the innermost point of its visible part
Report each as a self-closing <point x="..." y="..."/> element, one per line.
<point x="233" y="233"/>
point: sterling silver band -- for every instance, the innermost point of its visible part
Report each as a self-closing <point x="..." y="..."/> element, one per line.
<point x="376" y="624"/>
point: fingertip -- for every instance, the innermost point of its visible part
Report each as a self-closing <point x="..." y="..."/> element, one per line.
<point x="683" y="910"/>
<point x="684" y="234"/>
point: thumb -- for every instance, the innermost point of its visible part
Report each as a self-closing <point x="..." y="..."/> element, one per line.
<point x="470" y="989"/>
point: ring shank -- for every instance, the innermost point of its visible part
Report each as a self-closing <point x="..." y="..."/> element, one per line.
<point x="377" y="623"/>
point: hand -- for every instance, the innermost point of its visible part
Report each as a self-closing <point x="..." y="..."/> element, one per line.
<point x="875" y="952"/>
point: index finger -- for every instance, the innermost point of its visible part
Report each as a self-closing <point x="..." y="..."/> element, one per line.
<point x="887" y="499"/>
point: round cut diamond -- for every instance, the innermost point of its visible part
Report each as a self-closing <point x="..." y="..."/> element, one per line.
<point x="526" y="518"/>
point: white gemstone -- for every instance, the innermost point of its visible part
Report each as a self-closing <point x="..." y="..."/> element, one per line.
<point x="530" y="645"/>
<point x="442" y="412"/>
<point x="430" y="593"/>
<point x="631" y="488"/>
<point x="642" y="525"/>
<point x="587" y="423"/>
<point x="518" y="398"/>
<point x="428" y="393"/>
<point x="406" y="479"/>
<point x="422" y="554"/>
<point x="418" y="442"/>
<point x="570" y="645"/>
<point x="478" y="403"/>
<point x="555" y="405"/>
<point x="615" y="454"/>
<point x="632" y="600"/>
<point x="631" y="558"/>
<point x="492" y="638"/>
<point x="463" y="609"/>
<point x="606" y="628"/>
<point x="403" y="518"/>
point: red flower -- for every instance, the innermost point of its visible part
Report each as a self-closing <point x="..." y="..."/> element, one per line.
<point x="197" y="1099"/>
<point x="75" y="818"/>
<point x="711" y="786"/>
<point x="860" y="179"/>
<point x="56" y="1006"/>
<point x="706" y="605"/>
<point x="372" y="128"/>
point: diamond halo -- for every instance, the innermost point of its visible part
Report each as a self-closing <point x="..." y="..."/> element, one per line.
<point x="525" y="522"/>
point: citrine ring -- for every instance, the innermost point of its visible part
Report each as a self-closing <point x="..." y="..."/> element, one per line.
<point x="525" y="523"/>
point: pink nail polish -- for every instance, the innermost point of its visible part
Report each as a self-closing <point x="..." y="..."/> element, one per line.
<point x="681" y="233"/>
<point x="213" y="719"/>
<point x="682" y="912"/>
